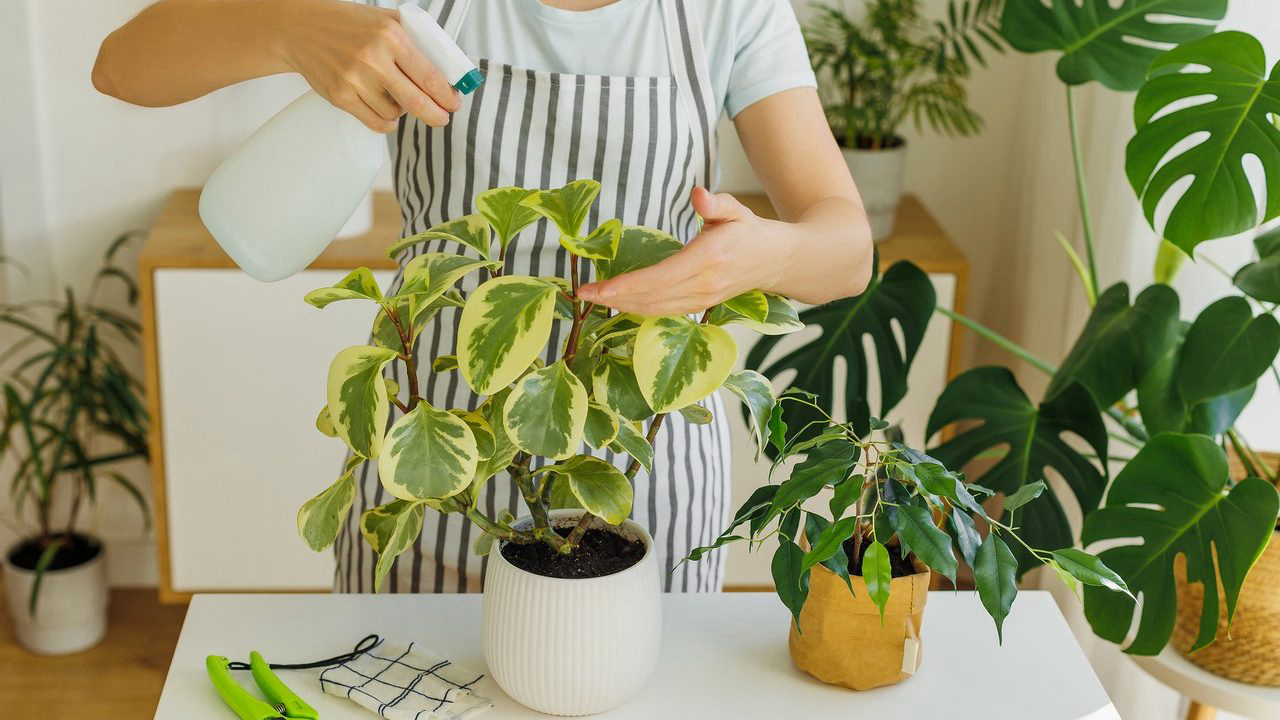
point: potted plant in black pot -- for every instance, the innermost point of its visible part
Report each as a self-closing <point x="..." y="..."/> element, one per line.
<point x="888" y="516"/>
<point x="574" y="579"/>
<point x="69" y="414"/>
<point x="889" y="66"/>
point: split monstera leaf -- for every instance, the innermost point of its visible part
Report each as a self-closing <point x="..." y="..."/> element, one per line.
<point x="558" y="376"/>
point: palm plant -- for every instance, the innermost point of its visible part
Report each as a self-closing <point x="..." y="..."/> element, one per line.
<point x="70" y="412"/>
<point x="892" y="65"/>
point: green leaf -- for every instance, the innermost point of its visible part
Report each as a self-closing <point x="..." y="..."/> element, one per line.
<point x="503" y="329"/>
<point x="358" y="285"/>
<point x="357" y="397"/>
<point x="829" y="542"/>
<point x="1169" y="260"/>
<point x="613" y="382"/>
<point x="385" y="333"/>
<point x="808" y="479"/>
<point x="504" y="449"/>
<point x="995" y="571"/>
<point x="470" y="230"/>
<point x="390" y="530"/>
<point x="838" y="562"/>
<point x="696" y="415"/>
<point x="567" y="206"/>
<point x="904" y="297"/>
<point x="846" y="493"/>
<point x="601" y="426"/>
<point x="1261" y="280"/>
<point x="430" y="454"/>
<point x="506" y="212"/>
<point x="546" y="412"/>
<point x="633" y="442"/>
<point x="777" y="428"/>
<point x="1236" y="116"/>
<point x="679" y="362"/>
<point x="966" y="535"/>
<point x="444" y="363"/>
<point x="696" y="554"/>
<point x="42" y="566"/>
<point x="428" y="276"/>
<point x="790" y="582"/>
<point x="915" y="528"/>
<point x="757" y="397"/>
<point x="780" y="319"/>
<point x="1173" y="497"/>
<point x="1102" y="40"/>
<point x="751" y="305"/>
<point x="638" y="247"/>
<point x="601" y="244"/>
<point x="877" y="573"/>
<point x="599" y="487"/>
<point x="1226" y="349"/>
<point x="1120" y="343"/>
<point x="320" y="518"/>
<point x="1089" y="570"/>
<point x="1024" y="495"/>
<point x="325" y="424"/>
<point x="1033" y="440"/>
<point x="1163" y="407"/>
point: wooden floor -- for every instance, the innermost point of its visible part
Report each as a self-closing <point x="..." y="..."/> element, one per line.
<point x="119" y="679"/>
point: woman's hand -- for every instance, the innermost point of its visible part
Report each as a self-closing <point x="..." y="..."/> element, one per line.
<point x="736" y="252"/>
<point x="361" y="60"/>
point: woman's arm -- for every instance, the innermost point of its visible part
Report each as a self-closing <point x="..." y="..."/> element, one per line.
<point x="820" y="251"/>
<point x="357" y="57"/>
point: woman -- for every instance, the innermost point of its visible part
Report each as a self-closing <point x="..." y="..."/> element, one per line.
<point x="628" y="92"/>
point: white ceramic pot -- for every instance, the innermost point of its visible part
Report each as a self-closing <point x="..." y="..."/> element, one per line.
<point x="878" y="174"/>
<point x="573" y="647"/>
<point x="71" y="613"/>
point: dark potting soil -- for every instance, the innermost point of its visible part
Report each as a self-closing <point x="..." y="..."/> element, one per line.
<point x="898" y="565"/>
<point x="600" y="553"/>
<point x="79" y="550"/>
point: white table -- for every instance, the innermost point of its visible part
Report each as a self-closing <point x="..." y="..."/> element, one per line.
<point x="723" y="656"/>
<point x="1210" y="692"/>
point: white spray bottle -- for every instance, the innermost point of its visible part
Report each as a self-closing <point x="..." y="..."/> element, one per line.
<point x="277" y="201"/>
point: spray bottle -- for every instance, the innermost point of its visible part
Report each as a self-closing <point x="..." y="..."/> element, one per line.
<point x="277" y="201"/>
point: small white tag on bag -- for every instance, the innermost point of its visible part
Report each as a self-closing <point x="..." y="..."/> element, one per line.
<point x="910" y="655"/>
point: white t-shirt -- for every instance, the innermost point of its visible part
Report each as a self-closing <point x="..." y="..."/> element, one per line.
<point x="754" y="47"/>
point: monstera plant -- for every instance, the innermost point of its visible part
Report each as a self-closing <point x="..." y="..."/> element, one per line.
<point x="1168" y="392"/>
<point x="612" y="374"/>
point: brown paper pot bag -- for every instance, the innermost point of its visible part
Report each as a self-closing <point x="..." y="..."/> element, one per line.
<point x="841" y="640"/>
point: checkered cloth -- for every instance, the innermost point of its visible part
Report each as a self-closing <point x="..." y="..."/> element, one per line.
<point x="402" y="681"/>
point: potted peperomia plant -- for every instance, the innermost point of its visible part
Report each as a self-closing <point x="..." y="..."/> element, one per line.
<point x="890" y="515"/>
<point x="1141" y="390"/>
<point x="891" y="65"/>
<point x="70" y="413"/>
<point x="574" y="580"/>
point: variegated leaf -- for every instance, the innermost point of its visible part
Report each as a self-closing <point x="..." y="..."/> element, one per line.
<point x="638" y="247"/>
<point x="325" y="424"/>
<point x="546" y="412"/>
<point x="385" y="333"/>
<point x="567" y="206"/>
<point x="358" y="285"/>
<point x="504" y="327"/>
<point x="750" y="305"/>
<point x="631" y="440"/>
<point x="697" y="415"/>
<point x="484" y="544"/>
<point x="390" y="530"/>
<point x="506" y="212"/>
<point x="601" y="426"/>
<point x="470" y="230"/>
<point x="481" y="430"/>
<point x="321" y="517"/>
<point x="601" y="244"/>
<point x="429" y="453"/>
<point x="428" y="276"/>
<point x="679" y="362"/>
<point x="781" y="319"/>
<point x="357" y="397"/>
<point x="444" y="363"/>
<point x="504" y="449"/>
<point x="613" y="382"/>
<point x="599" y="487"/>
<point x="754" y="390"/>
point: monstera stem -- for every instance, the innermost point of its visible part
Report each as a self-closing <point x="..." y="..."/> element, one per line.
<point x="1082" y="191"/>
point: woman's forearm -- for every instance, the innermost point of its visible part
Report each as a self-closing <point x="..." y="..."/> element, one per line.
<point x="826" y="254"/>
<point x="178" y="50"/>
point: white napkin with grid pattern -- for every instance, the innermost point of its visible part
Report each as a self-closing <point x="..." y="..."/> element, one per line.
<point x="404" y="681"/>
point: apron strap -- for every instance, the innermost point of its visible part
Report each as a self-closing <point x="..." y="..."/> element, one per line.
<point x="692" y="75"/>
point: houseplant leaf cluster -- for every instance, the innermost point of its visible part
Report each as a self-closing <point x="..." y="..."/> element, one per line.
<point x="609" y="385"/>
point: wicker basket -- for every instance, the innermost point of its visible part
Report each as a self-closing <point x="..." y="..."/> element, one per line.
<point x="1252" y="652"/>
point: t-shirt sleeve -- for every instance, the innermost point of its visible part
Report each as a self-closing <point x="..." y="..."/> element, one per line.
<point x="769" y="54"/>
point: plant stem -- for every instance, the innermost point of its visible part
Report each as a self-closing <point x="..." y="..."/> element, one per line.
<point x="1245" y="459"/>
<point x="1081" y="190"/>
<point x="1131" y="426"/>
<point x="411" y="366"/>
<point x="998" y="339"/>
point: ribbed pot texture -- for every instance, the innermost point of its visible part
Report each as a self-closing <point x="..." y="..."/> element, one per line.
<point x="573" y="647"/>
<point x="71" y="614"/>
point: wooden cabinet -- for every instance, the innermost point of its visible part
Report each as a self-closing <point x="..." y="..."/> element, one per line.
<point x="235" y="376"/>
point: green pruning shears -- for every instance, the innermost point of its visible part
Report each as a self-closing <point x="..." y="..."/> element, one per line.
<point x="281" y="704"/>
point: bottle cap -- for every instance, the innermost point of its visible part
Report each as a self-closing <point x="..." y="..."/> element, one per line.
<point x="469" y="82"/>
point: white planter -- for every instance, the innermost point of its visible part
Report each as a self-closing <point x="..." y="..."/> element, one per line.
<point x="71" y="614"/>
<point x="878" y="174"/>
<point x="573" y="647"/>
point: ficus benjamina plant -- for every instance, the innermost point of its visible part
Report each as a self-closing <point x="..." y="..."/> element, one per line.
<point x="883" y="497"/>
<point x="610" y="384"/>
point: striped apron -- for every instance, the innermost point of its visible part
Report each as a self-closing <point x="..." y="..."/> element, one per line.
<point x="648" y="141"/>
